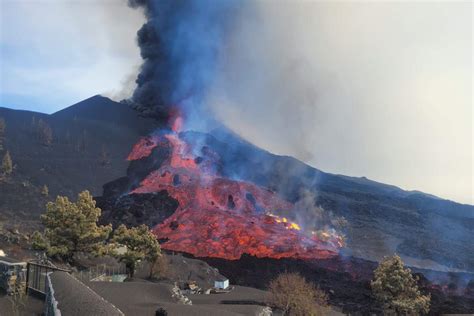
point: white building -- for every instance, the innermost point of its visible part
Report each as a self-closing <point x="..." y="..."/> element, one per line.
<point x="221" y="283"/>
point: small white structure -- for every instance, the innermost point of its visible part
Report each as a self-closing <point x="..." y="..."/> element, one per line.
<point x="221" y="284"/>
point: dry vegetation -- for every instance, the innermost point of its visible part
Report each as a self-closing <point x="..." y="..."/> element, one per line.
<point x="291" y="293"/>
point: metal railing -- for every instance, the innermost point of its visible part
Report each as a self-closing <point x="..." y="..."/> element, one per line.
<point x="101" y="272"/>
<point x="36" y="274"/>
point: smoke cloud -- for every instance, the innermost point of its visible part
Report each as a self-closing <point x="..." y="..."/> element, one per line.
<point x="179" y="44"/>
<point x="381" y="90"/>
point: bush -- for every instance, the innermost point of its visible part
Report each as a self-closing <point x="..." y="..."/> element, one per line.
<point x="396" y="289"/>
<point x="38" y="242"/>
<point x="45" y="133"/>
<point x="7" y="164"/>
<point x="294" y="296"/>
<point x="3" y="127"/>
<point x="104" y="158"/>
<point x="161" y="268"/>
<point x="45" y="190"/>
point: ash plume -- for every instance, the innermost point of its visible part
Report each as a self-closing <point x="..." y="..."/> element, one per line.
<point x="179" y="44"/>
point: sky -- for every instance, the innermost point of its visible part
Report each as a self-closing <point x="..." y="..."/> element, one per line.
<point x="375" y="89"/>
<point x="55" y="53"/>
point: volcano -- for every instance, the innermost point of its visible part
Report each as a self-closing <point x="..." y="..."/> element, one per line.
<point x="215" y="195"/>
<point x="219" y="198"/>
<point x="222" y="217"/>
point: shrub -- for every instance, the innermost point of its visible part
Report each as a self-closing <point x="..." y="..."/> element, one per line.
<point x="396" y="289"/>
<point x="161" y="268"/>
<point x="7" y="164"/>
<point x="38" y="242"/>
<point x="104" y="158"/>
<point x="3" y="127"/>
<point x="45" y="133"/>
<point x="45" y="190"/>
<point x="294" y="296"/>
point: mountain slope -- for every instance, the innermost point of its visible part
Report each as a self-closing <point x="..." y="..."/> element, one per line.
<point x="428" y="232"/>
<point x="382" y="219"/>
<point x="91" y="139"/>
<point x="89" y="143"/>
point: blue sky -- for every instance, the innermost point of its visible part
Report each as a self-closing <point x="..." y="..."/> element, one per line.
<point x="58" y="52"/>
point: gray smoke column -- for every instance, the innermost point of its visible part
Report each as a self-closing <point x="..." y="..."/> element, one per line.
<point x="179" y="44"/>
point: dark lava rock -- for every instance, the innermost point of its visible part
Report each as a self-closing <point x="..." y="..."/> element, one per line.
<point x="136" y="209"/>
<point x="119" y="206"/>
<point x="345" y="279"/>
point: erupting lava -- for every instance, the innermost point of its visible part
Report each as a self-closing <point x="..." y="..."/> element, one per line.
<point x="221" y="217"/>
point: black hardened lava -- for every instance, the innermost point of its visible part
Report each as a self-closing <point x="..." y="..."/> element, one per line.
<point x="345" y="279"/>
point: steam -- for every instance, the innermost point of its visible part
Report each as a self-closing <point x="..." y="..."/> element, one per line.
<point x="381" y="90"/>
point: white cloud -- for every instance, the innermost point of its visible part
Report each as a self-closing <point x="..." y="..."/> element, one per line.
<point x="60" y="52"/>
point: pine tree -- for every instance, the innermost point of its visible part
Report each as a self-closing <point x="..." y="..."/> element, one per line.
<point x="140" y="244"/>
<point x="104" y="159"/>
<point x="38" y="242"/>
<point x="45" y="190"/>
<point x="3" y="127"/>
<point x="45" y="133"/>
<point x="72" y="227"/>
<point x="7" y="164"/>
<point x="396" y="289"/>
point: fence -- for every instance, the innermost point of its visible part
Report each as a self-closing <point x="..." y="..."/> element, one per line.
<point x="102" y="272"/>
<point x="36" y="275"/>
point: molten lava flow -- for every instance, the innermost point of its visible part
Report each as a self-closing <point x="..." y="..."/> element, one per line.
<point x="284" y="220"/>
<point x="221" y="217"/>
<point x="143" y="148"/>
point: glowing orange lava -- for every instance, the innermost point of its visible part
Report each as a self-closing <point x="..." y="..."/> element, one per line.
<point x="221" y="217"/>
<point x="143" y="148"/>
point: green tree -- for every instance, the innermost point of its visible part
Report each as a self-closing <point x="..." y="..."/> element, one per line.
<point x="38" y="242"/>
<point x="45" y="133"/>
<point x="294" y="296"/>
<point x="72" y="227"/>
<point x="396" y="289"/>
<point x="3" y="127"/>
<point x="45" y="190"/>
<point x="7" y="164"/>
<point x="104" y="158"/>
<point x="139" y="243"/>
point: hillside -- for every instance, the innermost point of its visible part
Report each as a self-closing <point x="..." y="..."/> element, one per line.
<point x="214" y="201"/>
<point x="91" y="140"/>
<point x="88" y="145"/>
<point x="253" y="214"/>
<point x="427" y="231"/>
